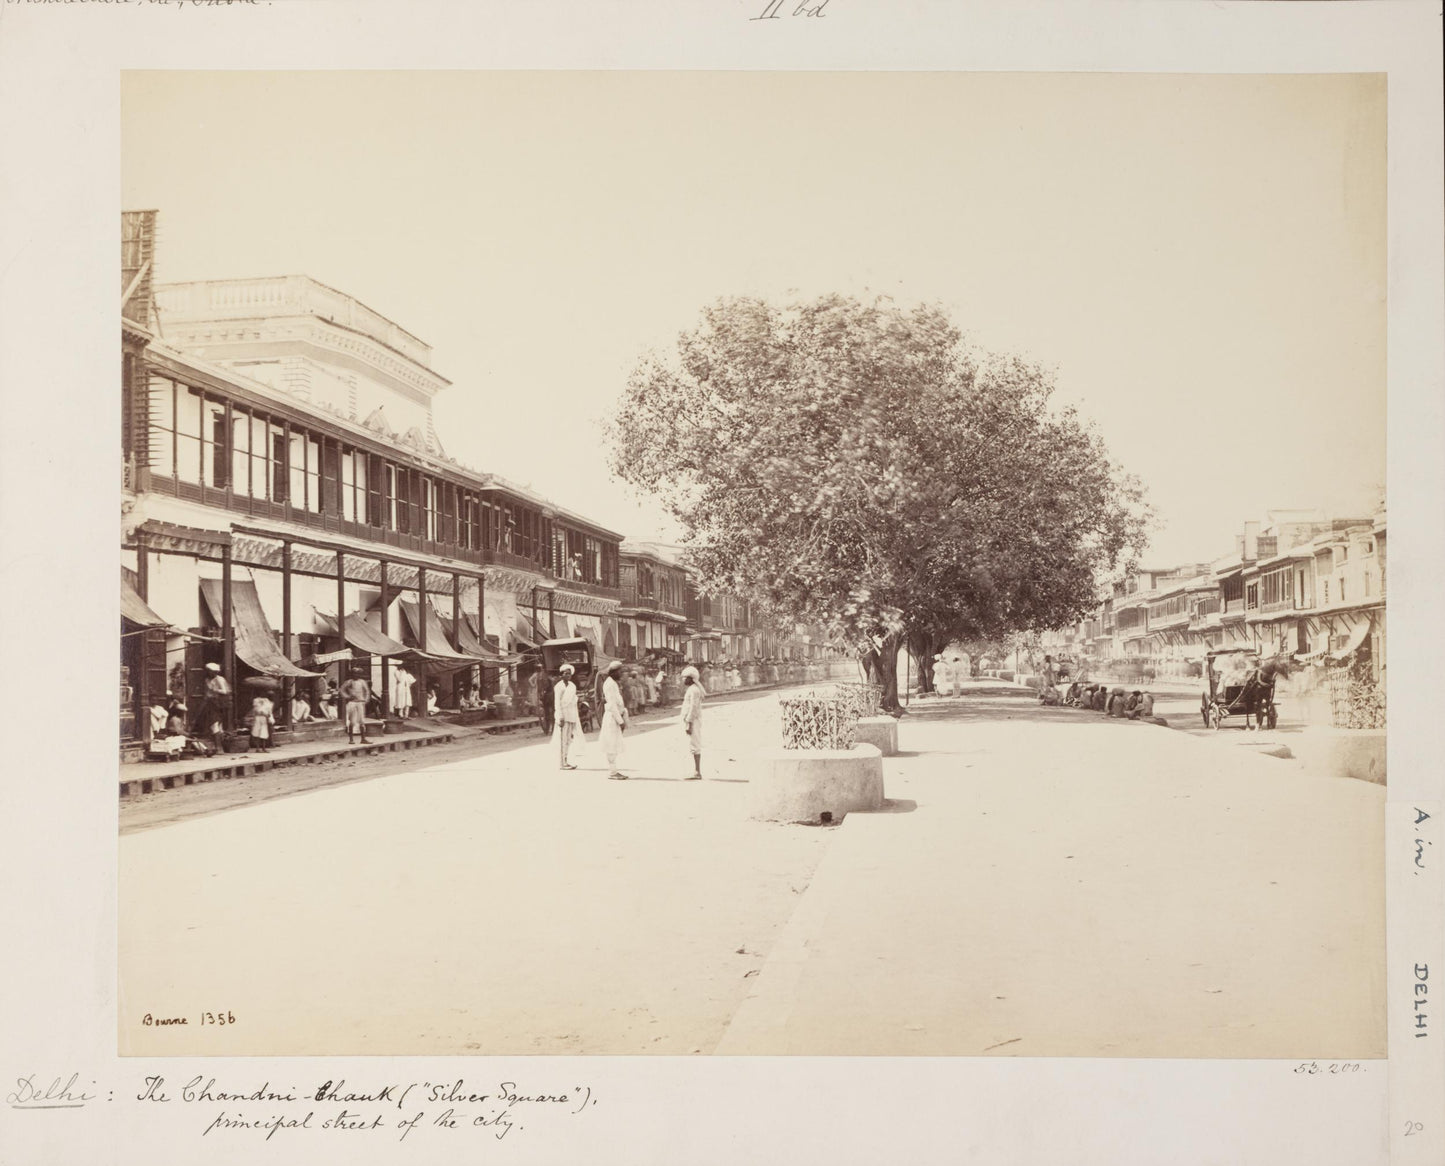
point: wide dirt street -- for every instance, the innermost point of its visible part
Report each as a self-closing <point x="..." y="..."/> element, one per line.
<point x="1044" y="883"/>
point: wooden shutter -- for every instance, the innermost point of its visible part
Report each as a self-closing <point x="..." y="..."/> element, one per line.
<point x="153" y="669"/>
<point x="331" y="477"/>
<point x="375" y="490"/>
<point x="449" y="513"/>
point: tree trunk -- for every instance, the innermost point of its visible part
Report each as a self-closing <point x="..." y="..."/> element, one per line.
<point x="887" y="664"/>
<point x="922" y="647"/>
<point x="869" y="660"/>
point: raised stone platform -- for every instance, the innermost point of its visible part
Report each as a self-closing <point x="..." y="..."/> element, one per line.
<point x="881" y="732"/>
<point x="149" y="776"/>
<point x="1354" y="753"/>
<point x="815" y="785"/>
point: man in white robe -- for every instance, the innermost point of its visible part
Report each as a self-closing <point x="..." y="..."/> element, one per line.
<point x="614" y="720"/>
<point x="564" y="705"/>
<point x="692" y="694"/>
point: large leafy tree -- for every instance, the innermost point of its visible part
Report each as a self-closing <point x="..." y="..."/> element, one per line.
<point x="853" y="463"/>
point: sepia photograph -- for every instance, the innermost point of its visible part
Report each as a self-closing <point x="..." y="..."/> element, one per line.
<point x="885" y="564"/>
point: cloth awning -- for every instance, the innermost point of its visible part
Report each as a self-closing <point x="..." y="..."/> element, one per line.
<point x="436" y="638"/>
<point x="362" y="636"/>
<point x="539" y="626"/>
<point x="560" y="630"/>
<point x="1357" y="637"/>
<point x="135" y="609"/>
<point x="469" y="642"/>
<point x="255" y="641"/>
<point x="600" y="659"/>
<point x="526" y="634"/>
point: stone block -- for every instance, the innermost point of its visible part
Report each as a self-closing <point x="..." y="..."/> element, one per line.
<point x="879" y="731"/>
<point x="802" y="785"/>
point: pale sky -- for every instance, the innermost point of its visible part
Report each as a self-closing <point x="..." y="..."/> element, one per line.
<point x="1201" y="258"/>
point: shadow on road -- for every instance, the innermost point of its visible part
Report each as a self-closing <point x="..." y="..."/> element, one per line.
<point x="893" y="806"/>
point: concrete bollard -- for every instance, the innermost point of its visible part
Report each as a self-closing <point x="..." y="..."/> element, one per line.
<point x="879" y="731"/>
<point x="801" y="785"/>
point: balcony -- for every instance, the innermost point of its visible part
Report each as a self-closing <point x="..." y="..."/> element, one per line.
<point x="330" y="521"/>
<point x="649" y="603"/>
<point x="1178" y="620"/>
<point x="582" y="587"/>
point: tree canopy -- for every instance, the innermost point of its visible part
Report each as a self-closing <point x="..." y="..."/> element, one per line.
<point x="854" y="463"/>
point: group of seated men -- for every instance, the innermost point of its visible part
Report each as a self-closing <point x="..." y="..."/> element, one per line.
<point x="1113" y="702"/>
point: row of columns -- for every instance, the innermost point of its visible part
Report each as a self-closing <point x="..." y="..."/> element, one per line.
<point x="228" y="635"/>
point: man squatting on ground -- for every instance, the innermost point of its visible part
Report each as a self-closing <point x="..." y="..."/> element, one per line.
<point x="692" y="694"/>
<point x="564" y="707"/>
<point x="356" y="692"/>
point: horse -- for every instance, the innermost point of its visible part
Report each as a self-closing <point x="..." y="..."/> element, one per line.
<point x="1256" y="698"/>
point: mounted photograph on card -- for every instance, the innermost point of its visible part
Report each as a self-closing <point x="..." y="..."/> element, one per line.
<point x="808" y="564"/>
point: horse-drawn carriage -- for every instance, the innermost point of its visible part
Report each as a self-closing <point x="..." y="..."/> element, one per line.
<point x="1239" y="684"/>
<point x="578" y="653"/>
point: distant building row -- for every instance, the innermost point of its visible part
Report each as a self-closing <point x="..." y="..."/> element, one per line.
<point x="1299" y="583"/>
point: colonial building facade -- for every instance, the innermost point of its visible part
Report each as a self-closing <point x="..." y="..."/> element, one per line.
<point x="288" y="509"/>
<point x="652" y="618"/>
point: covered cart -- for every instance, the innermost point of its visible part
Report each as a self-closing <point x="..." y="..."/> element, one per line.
<point x="1238" y="690"/>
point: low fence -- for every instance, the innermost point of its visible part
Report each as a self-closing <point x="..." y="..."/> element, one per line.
<point x="818" y="721"/>
<point x="828" y="718"/>
<point x="866" y="698"/>
<point x="1356" y="701"/>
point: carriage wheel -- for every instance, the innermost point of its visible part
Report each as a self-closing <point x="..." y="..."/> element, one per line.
<point x="1216" y="717"/>
<point x="1204" y="710"/>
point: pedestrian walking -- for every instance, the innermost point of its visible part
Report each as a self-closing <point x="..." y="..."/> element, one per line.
<point x="614" y="720"/>
<point x="356" y="692"/>
<point x="692" y="694"/>
<point x="263" y="719"/>
<point x="564" y="707"/>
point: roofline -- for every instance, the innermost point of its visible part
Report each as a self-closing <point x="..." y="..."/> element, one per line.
<point x="633" y="552"/>
<point x="496" y="481"/>
<point x="343" y="294"/>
